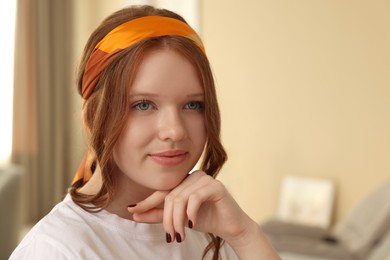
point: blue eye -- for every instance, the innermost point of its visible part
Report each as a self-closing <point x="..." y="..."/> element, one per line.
<point x="143" y="105"/>
<point x="194" y="105"/>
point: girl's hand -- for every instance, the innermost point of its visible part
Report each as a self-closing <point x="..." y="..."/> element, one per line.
<point x="202" y="203"/>
<point x="199" y="201"/>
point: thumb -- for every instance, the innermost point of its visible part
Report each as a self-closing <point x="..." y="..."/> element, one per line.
<point x="149" y="210"/>
<point x="151" y="216"/>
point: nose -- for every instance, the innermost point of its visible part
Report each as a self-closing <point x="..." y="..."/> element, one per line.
<point x="171" y="126"/>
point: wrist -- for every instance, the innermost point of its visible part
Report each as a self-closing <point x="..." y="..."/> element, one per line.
<point x="248" y="232"/>
<point x="251" y="243"/>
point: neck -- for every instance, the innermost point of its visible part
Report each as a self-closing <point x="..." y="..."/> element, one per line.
<point x="127" y="193"/>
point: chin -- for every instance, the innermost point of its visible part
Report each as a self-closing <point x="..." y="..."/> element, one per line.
<point x="168" y="184"/>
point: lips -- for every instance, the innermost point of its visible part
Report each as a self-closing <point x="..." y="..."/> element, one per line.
<point x="169" y="158"/>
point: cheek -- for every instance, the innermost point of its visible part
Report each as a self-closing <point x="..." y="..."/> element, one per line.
<point x="197" y="130"/>
<point x="134" y="136"/>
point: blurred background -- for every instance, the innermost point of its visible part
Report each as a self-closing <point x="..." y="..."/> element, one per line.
<point x="304" y="90"/>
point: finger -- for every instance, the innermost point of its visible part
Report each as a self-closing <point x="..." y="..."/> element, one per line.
<point x="167" y="217"/>
<point x="153" y="201"/>
<point x="209" y="190"/>
<point x="154" y="215"/>
<point x="179" y="217"/>
<point x="172" y="226"/>
<point x="178" y="200"/>
<point x="188" y="181"/>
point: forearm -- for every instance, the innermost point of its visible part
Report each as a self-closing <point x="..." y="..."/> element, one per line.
<point x="252" y="244"/>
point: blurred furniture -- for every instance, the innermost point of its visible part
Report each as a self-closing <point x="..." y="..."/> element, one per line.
<point x="10" y="178"/>
<point x="306" y="201"/>
<point x="363" y="234"/>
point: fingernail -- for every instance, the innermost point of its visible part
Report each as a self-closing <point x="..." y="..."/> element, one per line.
<point x="132" y="205"/>
<point x="190" y="224"/>
<point x="178" y="238"/>
<point x="168" y="237"/>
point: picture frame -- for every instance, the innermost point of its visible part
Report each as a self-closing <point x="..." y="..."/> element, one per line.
<point x="307" y="201"/>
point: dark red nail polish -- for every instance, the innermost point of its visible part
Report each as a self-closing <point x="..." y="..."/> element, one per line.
<point x="190" y="224"/>
<point x="168" y="237"/>
<point x="132" y="205"/>
<point x="178" y="237"/>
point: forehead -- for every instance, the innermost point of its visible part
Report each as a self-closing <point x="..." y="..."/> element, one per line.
<point x="166" y="70"/>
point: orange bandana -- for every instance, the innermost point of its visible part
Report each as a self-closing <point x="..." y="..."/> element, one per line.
<point x="85" y="171"/>
<point x="126" y="35"/>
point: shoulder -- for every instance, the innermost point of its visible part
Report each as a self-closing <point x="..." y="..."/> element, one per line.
<point x="39" y="248"/>
<point x="64" y="219"/>
<point x="54" y="235"/>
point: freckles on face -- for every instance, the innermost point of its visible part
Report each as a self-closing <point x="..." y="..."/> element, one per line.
<point x="165" y="132"/>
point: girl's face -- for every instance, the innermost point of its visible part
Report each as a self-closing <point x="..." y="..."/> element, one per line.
<point x="165" y="132"/>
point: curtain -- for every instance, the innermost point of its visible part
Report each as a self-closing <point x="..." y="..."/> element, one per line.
<point x="43" y="90"/>
<point x="47" y="131"/>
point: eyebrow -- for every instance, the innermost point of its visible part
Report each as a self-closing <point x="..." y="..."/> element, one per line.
<point x="139" y="95"/>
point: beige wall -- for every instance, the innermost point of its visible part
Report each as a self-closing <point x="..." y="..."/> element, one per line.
<point x="304" y="88"/>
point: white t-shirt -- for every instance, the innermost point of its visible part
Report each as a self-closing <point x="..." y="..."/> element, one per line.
<point x="69" y="232"/>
